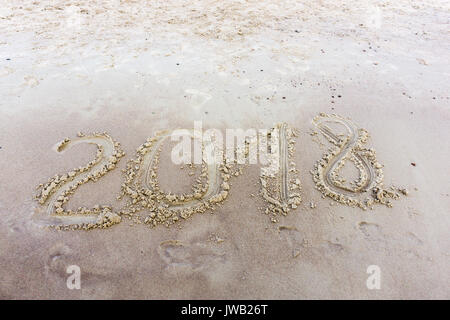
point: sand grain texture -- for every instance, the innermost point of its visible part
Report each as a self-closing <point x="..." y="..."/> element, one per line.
<point x="132" y="70"/>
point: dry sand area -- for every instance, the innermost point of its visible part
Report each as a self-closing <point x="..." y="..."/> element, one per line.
<point x="379" y="196"/>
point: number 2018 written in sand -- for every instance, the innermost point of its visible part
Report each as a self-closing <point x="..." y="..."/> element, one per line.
<point x="280" y="185"/>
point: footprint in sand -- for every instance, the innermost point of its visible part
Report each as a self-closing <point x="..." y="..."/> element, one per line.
<point x="414" y="239"/>
<point x="371" y="231"/>
<point x="58" y="259"/>
<point x="190" y="257"/>
<point x="333" y="247"/>
<point x="302" y="247"/>
<point x="295" y="240"/>
<point x="95" y="280"/>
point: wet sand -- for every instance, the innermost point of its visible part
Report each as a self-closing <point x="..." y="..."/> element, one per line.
<point x="132" y="71"/>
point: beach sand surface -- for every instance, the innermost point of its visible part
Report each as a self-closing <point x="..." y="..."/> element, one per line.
<point x="132" y="69"/>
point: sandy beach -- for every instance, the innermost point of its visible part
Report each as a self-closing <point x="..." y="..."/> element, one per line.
<point x="132" y="69"/>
